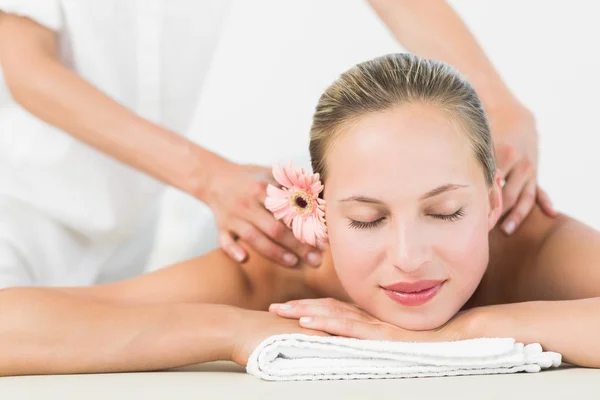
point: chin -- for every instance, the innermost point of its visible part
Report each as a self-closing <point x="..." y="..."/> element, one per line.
<point x="420" y="322"/>
<point x="414" y="319"/>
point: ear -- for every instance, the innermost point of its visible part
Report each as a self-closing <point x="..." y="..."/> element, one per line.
<point x="495" y="201"/>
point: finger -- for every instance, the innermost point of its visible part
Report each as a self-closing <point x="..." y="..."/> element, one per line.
<point x="229" y="245"/>
<point x="326" y="301"/>
<point x="299" y="306"/>
<point x="515" y="183"/>
<point x="545" y="204"/>
<point x="351" y="328"/>
<point x="255" y="238"/>
<point x="312" y="332"/>
<point x="299" y="311"/>
<point x="261" y="173"/>
<point x="322" y="245"/>
<point x="506" y="159"/>
<point x="521" y="209"/>
<point x="257" y="191"/>
<point x="282" y="235"/>
<point x="333" y="309"/>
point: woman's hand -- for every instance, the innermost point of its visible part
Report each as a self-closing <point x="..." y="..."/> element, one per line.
<point x="256" y="326"/>
<point x="236" y="196"/>
<point x="516" y="143"/>
<point x="342" y="319"/>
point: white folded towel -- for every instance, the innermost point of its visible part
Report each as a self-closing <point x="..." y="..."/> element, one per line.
<point x="308" y="358"/>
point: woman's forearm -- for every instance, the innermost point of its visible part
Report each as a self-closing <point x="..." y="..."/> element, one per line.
<point x="52" y="92"/>
<point x="432" y="29"/>
<point x="568" y="327"/>
<point x="44" y="331"/>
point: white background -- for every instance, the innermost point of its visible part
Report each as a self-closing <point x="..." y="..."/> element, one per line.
<point x="276" y="57"/>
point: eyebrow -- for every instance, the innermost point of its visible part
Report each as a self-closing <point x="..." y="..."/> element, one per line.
<point x="441" y="189"/>
<point x="434" y="192"/>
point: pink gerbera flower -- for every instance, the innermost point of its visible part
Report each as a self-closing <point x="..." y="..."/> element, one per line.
<point x="298" y="204"/>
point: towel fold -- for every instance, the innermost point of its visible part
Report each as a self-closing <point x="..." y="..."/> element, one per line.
<point x="306" y="358"/>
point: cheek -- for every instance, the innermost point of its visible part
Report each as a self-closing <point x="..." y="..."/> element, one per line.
<point x="465" y="253"/>
<point x="356" y="257"/>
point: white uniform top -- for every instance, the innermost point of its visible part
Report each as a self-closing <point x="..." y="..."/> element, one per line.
<point x="149" y="55"/>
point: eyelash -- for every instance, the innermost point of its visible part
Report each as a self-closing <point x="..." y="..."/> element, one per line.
<point x="450" y="217"/>
<point x="365" y="225"/>
<point x="373" y="224"/>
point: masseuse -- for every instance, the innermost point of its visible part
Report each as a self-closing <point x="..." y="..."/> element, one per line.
<point x="93" y="106"/>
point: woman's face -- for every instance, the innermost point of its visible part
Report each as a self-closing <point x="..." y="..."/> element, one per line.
<point x="408" y="215"/>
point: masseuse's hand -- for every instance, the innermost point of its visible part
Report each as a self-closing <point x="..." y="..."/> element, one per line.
<point x="256" y="326"/>
<point x="237" y="197"/>
<point x="342" y="319"/>
<point x="516" y="143"/>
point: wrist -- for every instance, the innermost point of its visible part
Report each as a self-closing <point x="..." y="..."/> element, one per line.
<point x="241" y="327"/>
<point x="510" y="119"/>
<point x="204" y="170"/>
<point x="222" y="323"/>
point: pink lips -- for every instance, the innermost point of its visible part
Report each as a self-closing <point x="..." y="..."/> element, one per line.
<point x="413" y="293"/>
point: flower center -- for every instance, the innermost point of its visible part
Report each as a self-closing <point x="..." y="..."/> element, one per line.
<point x="302" y="202"/>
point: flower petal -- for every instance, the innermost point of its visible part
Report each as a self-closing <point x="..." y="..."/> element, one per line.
<point x="276" y="198"/>
<point x="296" y="178"/>
<point x="308" y="231"/>
<point x="273" y="191"/>
<point x="288" y="218"/>
<point x="276" y="204"/>
<point x="286" y="215"/>
<point x="316" y="188"/>
<point x="279" y="173"/>
<point x="297" y="227"/>
<point x="321" y="230"/>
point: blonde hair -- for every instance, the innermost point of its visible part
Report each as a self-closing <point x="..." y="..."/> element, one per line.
<point x="393" y="80"/>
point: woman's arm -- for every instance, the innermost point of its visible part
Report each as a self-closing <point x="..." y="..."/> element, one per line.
<point x="554" y="294"/>
<point x="569" y="327"/>
<point x="155" y="321"/>
<point x="45" y="87"/>
<point x="49" y="332"/>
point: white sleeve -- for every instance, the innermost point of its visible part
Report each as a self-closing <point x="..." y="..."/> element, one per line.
<point x="45" y="12"/>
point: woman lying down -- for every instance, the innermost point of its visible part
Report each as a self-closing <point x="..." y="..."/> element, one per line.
<point x="404" y="154"/>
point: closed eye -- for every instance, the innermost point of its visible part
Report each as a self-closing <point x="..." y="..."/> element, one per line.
<point x="450" y="217"/>
<point x="366" y="225"/>
<point x="373" y="224"/>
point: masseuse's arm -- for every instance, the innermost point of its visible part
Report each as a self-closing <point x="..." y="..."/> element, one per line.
<point x="155" y="321"/>
<point x="40" y="82"/>
<point x="432" y="29"/>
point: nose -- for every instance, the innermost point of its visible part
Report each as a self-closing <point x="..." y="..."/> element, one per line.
<point x="409" y="250"/>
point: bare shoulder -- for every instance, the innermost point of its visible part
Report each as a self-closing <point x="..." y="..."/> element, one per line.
<point x="210" y="278"/>
<point x="567" y="265"/>
<point x="546" y="259"/>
